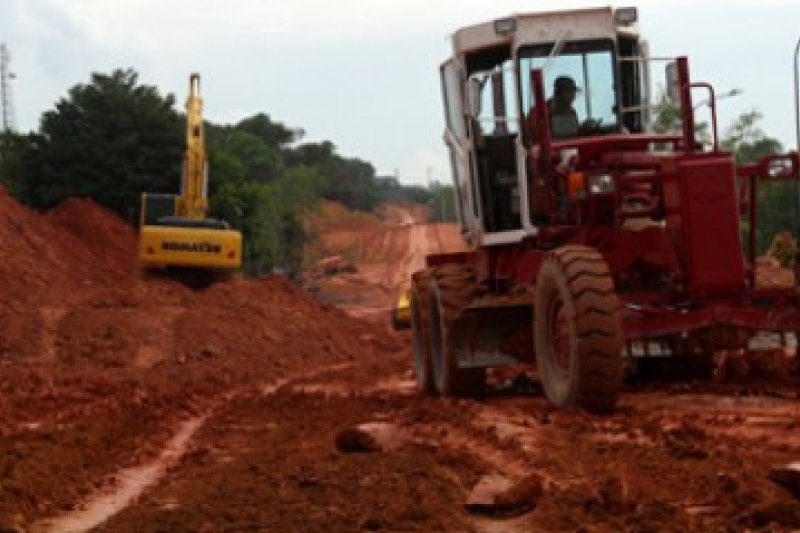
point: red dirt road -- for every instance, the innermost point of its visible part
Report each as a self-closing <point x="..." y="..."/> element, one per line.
<point x="386" y="251"/>
<point x="142" y="406"/>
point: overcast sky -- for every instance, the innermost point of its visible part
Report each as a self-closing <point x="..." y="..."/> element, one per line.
<point x="362" y="73"/>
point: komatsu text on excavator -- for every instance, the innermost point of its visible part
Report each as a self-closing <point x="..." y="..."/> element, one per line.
<point x="175" y="232"/>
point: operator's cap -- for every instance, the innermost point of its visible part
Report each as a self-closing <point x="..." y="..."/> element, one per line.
<point x="565" y="82"/>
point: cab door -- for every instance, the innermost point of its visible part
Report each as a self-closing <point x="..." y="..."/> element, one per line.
<point x="459" y="150"/>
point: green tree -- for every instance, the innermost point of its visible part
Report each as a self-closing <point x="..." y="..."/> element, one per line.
<point x="668" y="120"/>
<point x="391" y="190"/>
<point x="747" y="140"/>
<point x="350" y="181"/>
<point x="443" y="208"/>
<point x="14" y="150"/>
<point x="777" y="201"/>
<point x="110" y="139"/>
<point x="271" y="133"/>
<point x="260" y="160"/>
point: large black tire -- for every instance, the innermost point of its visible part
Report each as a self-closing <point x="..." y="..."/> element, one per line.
<point x="452" y="289"/>
<point x="578" y="330"/>
<point x="419" y="304"/>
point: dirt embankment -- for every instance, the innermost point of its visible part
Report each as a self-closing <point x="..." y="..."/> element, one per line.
<point x="96" y="364"/>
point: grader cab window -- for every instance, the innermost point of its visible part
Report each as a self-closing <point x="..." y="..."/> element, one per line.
<point x="590" y="67"/>
<point x="494" y="101"/>
<point x="494" y="125"/>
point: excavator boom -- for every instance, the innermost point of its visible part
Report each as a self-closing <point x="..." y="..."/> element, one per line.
<point x="193" y="202"/>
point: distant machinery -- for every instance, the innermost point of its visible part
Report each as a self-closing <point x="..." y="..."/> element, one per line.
<point x="6" y="101"/>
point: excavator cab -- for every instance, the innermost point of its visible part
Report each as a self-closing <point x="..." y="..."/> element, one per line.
<point x="175" y="231"/>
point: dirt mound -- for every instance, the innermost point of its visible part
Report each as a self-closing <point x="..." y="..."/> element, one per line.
<point x="49" y="262"/>
<point x="267" y="318"/>
<point x="111" y="240"/>
<point x="86" y="345"/>
<point x="76" y="244"/>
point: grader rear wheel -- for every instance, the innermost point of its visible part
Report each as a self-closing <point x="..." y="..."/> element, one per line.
<point x="578" y="330"/>
<point x="419" y="303"/>
<point x="452" y="288"/>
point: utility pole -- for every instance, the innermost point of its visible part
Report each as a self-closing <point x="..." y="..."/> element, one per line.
<point x="6" y="101"/>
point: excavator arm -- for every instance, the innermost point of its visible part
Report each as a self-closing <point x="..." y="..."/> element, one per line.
<point x="193" y="200"/>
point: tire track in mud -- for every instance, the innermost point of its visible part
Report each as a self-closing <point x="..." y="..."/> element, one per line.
<point x="129" y="484"/>
<point x="504" y="436"/>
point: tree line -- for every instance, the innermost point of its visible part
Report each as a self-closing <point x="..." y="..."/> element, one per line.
<point x="112" y="138"/>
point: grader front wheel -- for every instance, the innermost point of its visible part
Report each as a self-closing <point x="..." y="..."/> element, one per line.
<point x="578" y="330"/>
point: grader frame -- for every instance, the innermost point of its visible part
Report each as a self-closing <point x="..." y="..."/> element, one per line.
<point x="603" y="242"/>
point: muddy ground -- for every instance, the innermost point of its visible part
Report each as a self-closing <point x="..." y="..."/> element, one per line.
<point x="132" y="405"/>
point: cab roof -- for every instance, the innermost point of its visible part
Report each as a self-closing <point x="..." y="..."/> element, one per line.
<point x="543" y="27"/>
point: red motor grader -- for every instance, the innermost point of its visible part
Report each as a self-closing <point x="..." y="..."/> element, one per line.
<point x="595" y="242"/>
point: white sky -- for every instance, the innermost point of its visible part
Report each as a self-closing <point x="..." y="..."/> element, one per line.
<point x="363" y="73"/>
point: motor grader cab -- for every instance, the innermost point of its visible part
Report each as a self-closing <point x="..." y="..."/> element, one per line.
<point x="596" y="245"/>
<point x="175" y="232"/>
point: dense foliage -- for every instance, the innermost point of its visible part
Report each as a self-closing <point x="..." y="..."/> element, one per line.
<point x="114" y="138"/>
<point x="110" y="140"/>
<point x="779" y="201"/>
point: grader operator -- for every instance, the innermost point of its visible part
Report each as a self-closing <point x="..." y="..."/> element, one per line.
<point x="175" y="233"/>
<point x="595" y="242"/>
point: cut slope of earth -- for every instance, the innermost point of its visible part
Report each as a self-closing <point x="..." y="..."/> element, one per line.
<point x="97" y="364"/>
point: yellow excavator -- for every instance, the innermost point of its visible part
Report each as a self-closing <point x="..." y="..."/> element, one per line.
<point x="175" y="233"/>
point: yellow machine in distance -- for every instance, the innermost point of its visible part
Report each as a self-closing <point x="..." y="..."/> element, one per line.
<point x="174" y="230"/>
<point x="401" y="312"/>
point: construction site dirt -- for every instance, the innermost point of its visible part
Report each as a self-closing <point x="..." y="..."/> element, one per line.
<point x="260" y="405"/>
